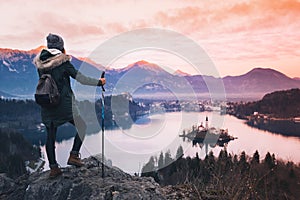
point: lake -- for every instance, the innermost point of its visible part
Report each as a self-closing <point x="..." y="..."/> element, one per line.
<point x="131" y="149"/>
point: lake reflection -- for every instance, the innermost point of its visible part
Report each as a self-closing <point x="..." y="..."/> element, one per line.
<point x="130" y="149"/>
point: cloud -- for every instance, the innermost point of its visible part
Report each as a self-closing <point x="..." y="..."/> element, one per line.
<point x="243" y="30"/>
<point x="69" y="27"/>
<point x="115" y="27"/>
<point x="187" y="19"/>
<point x="231" y="17"/>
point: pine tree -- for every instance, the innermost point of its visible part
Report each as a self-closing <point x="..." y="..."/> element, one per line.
<point x="150" y="170"/>
<point x="210" y="160"/>
<point x="179" y="152"/>
<point x="244" y="165"/>
<point x="255" y="158"/>
<point x="235" y="159"/>
<point x="197" y="156"/>
<point x="149" y="166"/>
<point x="269" y="160"/>
<point x="168" y="158"/>
<point x="161" y="162"/>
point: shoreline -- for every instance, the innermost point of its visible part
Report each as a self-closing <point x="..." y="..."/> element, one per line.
<point x="283" y="126"/>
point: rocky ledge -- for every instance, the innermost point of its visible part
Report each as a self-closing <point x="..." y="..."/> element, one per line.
<point x="87" y="183"/>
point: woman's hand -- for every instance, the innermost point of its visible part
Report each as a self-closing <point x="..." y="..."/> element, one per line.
<point x="102" y="80"/>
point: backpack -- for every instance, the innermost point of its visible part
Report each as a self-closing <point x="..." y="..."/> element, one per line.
<point x="47" y="93"/>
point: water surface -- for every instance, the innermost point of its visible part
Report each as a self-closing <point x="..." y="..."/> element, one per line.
<point x="130" y="149"/>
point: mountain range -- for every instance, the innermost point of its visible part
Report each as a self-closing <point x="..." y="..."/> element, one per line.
<point x="18" y="77"/>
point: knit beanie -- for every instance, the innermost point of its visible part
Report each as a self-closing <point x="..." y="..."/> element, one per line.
<point x="55" y="42"/>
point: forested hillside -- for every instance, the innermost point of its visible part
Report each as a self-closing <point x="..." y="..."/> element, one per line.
<point x="281" y="104"/>
<point x="228" y="176"/>
<point x="25" y="116"/>
<point x="14" y="151"/>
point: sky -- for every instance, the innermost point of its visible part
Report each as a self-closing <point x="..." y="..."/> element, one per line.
<point x="237" y="35"/>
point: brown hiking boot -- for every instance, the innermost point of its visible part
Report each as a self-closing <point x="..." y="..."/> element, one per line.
<point x="74" y="160"/>
<point x="55" y="172"/>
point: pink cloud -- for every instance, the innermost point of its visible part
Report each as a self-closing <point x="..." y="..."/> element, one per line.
<point x="231" y="17"/>
<point x="230" y="31"/>
<point x="115" y="27"/>
<point x="67" y="26"/>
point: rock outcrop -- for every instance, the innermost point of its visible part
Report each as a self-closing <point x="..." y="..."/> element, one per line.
<point x="85" y="183"/>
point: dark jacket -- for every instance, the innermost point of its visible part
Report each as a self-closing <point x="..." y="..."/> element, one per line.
<point x="58" y="65"/>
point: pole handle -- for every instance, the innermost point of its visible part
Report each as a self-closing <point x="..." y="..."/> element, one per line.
<point x="102" y="76"/>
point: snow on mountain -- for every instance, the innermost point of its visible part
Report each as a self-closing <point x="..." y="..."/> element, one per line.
<point x="18" y="75"/>
<point x="144" y="65"/>
<point x="180" y="73"/>
<point x="5" y="63"/>
<point x="9" y="66"/>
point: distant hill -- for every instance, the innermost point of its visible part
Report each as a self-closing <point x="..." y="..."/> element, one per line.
<point x="18" y="76"/>
<point x="180" y="73"/>
<point x="280" y="104"/>
<point x="91" y="62"/>
<point x="260" y="81"/>
<point x="142" y="75"/>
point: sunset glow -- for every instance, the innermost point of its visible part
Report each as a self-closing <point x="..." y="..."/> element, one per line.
<point x="237" y="35"/>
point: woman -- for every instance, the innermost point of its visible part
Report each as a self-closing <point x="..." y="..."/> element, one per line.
<point x="54" y="61"/>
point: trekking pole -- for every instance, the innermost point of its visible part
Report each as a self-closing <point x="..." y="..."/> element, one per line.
<point x="102" y="127"/>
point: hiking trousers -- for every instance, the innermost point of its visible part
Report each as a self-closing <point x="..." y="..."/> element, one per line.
<point x="51" y="137"/>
